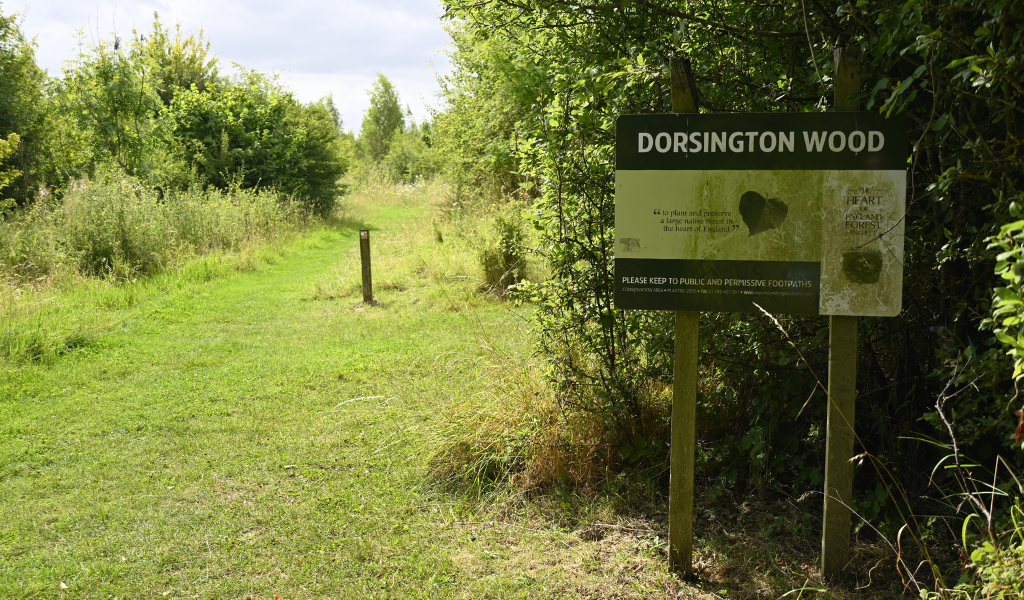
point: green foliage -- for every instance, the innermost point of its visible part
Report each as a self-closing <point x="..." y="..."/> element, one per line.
<point x="503" y="257"/>
<point x="252" y="133"/>
<point x="383" y="120"/>
<point x="29" y="245"/>
<point x="234" y="134"/>
<point x="116" y="93"/>
<point x="392" y="147"/>
<point x="23" y="111"/>
<point x="491" y="90"/>
<point x="112" y="92"/>
<point x="953" y="68"/>
<point x="178" y="63"/>
<point x="7" y="148"/>
<point x="997" y="571"/>
<point x="410" y="157"/>
<point x="156" y="107"/>
<point x="322" y="157"/>
<point x="1007" y="306"/>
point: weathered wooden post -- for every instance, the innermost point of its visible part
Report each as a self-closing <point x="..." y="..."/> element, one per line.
<point x="364" y="255"/>
<point x="684" y="381"/>
<point x="842" y="383"/>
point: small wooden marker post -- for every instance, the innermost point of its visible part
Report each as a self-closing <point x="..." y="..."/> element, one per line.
<point x="842" y="384"/>
<point x="684" y="382"/>
<point x="364" y="255"/>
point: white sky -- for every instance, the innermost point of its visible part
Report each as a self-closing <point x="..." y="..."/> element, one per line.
<point x="318" y="47"/>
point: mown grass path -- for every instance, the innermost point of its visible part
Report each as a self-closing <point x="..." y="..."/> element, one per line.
<point x="205" y="448"/>
<point x="241" y="438"/>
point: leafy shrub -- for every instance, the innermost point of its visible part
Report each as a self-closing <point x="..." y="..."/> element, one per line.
<point x="996" y="572"/>
<point x="951" y="67"/>
<point x="503" y="257"/>
<point x="409" y="157"/>
<point x="23" y="111"/>
<point x="1008" y="302"/>
<point x="252" y="133"/>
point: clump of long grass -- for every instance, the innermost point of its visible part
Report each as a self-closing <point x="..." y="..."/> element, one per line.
<point x="64" y="262"/>
<point x="115" y="226"/>
<point x="119" y="226"/>
<point x="514" y="434"/>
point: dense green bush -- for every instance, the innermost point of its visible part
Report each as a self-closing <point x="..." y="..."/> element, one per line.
<point x="953" y="68"/>
<point x="491" y="90"/>
<point x="252" y="133"/>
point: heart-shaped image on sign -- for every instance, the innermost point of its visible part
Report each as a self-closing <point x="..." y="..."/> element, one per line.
<point x="761" y="214"/>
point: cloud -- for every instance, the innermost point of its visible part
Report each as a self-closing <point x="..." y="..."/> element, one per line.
<point x="318" y="47"/>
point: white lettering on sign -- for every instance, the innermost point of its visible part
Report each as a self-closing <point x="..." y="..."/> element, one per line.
<point x="836" y="146"/>
<point x="875" y="141"/>
<point x="646" y="142"/>
<point x="785" y="142"/>
<point x="716" y="142"/>
<point x="695" y="143"/>
<point x="856" y="141"/>
<point x="735" y="143"/>
<point x="668" y="142"/>
<point x="763" y="141"/>
<point x="680" y="142"/>
<point x="814" y="142"/>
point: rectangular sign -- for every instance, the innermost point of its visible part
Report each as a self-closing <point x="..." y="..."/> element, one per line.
<point x="800" y="213"/>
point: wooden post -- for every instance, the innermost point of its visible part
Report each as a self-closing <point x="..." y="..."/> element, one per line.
<point x="364" y="255"/>
<point x="684" y="382"/>
<point x="842" y="384"/>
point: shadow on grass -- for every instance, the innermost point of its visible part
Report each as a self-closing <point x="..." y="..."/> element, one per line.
<point x="746" y="546"/>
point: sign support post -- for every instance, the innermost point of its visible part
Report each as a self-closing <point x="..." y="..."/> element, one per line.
<point x="684" y="382"/>
<point x="842" y="384"/>
<point x="792" y="213"/>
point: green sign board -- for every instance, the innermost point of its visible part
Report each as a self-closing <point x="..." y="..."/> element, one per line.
<point x="801" y="213"/>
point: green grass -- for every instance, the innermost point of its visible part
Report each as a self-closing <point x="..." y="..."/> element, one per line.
<point x="244" y="427"/>
<point x="241" y="437"/>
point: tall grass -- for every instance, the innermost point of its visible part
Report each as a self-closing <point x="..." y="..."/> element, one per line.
<point x="65" y="264"/>
<point x="115" y="226"/>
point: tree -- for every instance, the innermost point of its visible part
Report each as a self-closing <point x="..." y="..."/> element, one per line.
<point x="112" y="91"/>
<point x="251" y="132"/>
<point x="22" y="108"/>
<point x="383" y="119"/>
<point x="322" y="159"/>
<point x="177" y="63"/>
<point x="116" y="91"/>
<point x="492" y="90"/>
